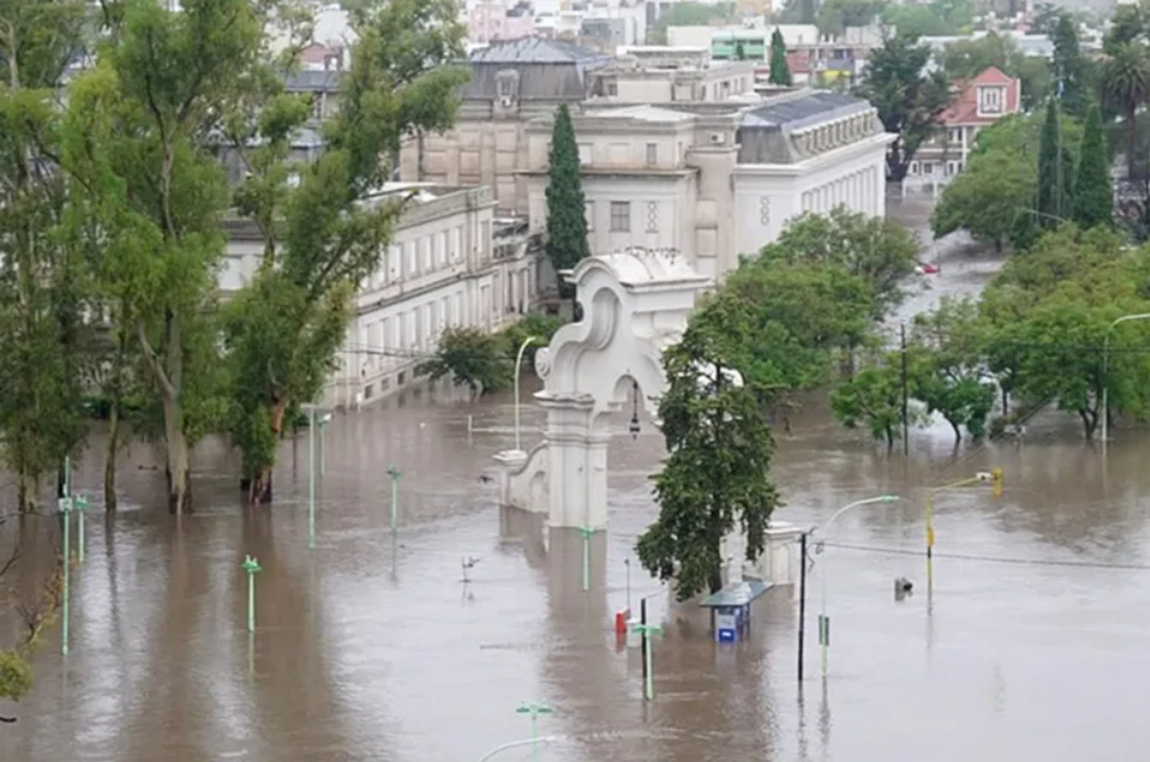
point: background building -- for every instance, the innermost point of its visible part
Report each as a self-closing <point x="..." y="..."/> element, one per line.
<point x="451" y="262"/>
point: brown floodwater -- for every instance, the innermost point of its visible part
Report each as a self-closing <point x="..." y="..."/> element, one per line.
<point x="369" y="650"/>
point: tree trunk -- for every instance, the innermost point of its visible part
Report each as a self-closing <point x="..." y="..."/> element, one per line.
<point x="957" y="432"/>
<point x="178" y="471"/>
<point x="259" y="486"/>
<point x="110" y="456"/>
<point x="1089" y="423"/>
<point x="717" y="580"/>
<point x="1131" y="144"/>
<point x="1005" y="402"/>
<point x="27" y="491"/>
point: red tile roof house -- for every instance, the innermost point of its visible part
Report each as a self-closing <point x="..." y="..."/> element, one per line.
<point x="980" y="101"/>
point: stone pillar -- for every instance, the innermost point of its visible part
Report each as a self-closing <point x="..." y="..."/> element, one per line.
<point x="578" y="461"/>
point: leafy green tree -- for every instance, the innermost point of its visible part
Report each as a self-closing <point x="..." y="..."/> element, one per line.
<point x="137" y="145"/>
<point x="790" y="321"/>
<point x="909" y="96"/>
<point x="1093" y="194"/>
<point x="1128" y="25"/>
<point x="948" y="368"/>
<point x="473" y="357"/>
<point x="31" y="614"/>
<point x="541" y="327"/>
<point x="984" y="198"/>
<point x="1125" y="86"/>
<point x="1071" y="71"/>
<point x="872" y="398"/>
<point x="780" y="71"/>
<point x="43" y="278"/>
<point x="566" y="207"/>
<point x="717" y="473"/>
<point x="1055" y="172"/>
<point x="324" y="231"/>
<point x="834" y="16"/>
<point x="918" y="21"/>
<point x="689" y="14"/>
<point x="879" y="251"/>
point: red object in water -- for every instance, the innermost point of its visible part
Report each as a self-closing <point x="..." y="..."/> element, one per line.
<point x="621" y="618"/>
<point x="928" y="268"/>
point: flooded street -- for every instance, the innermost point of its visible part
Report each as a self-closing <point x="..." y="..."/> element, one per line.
<point x="374" y="651"/>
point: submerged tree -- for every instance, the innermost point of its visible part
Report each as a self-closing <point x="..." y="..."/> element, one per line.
<point x="909" y="96"/>
<point x="716" y="477"/>
<point x="139" y="145"/>
<point x="41" y="276"/>
<point x="324" y="232"/>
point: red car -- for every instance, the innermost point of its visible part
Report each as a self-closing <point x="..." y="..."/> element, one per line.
<point x="926" y="268"/>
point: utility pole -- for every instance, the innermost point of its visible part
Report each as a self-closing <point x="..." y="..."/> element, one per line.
<point x="905" y="395"/>
<point x="802" y="601"/>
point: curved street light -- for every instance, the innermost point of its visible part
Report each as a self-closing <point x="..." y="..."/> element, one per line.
<point x="824" y="622"/>
<point x="517" y="744"/>
<point x="518" y="369"/>
<point x="994" y="477"/>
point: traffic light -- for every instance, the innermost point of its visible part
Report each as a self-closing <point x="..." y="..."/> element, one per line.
<point x="996" y="481"/>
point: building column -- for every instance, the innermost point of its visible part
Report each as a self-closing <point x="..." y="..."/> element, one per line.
<point x="577" y="490"/>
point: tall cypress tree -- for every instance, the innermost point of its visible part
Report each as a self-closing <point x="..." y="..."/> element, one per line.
<point x="566" y="215"/>
<point x="1093" y="196"/>
<point x="780" y="72"/>
<point x="1055" y="171"/>
<point x="1070" y="73"/>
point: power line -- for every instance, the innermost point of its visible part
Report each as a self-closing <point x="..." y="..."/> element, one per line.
<point x="991" y="559"/>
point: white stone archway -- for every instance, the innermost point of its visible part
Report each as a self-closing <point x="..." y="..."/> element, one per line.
<point x="635" y="304"/>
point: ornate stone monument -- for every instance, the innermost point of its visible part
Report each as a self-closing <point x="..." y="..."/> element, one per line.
<point x="635" y="303"/>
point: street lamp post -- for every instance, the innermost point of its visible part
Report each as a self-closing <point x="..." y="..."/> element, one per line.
<point x="533" y="709"/>
<point x="518" y="363"/>
<point x="824" y="621"/>
<point x="647" y="630"/>
<point x="994" y="477"/>
<point x="1106" y="373"/>
<point x="252" y="567"/>
<point x="323" y="421"/>
<point x="311" y="427"/>
<point x="516" y="744"/>
<point x="586" y="532"/>
<point x="80" y="505"/>
<point x="65" y="504"/>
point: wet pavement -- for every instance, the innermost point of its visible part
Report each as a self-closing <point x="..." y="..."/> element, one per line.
<point x="365" y="649"/>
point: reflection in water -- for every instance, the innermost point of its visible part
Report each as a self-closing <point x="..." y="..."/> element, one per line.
<point x="369" y="650"/>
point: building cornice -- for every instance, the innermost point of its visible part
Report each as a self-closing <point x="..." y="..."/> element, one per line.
<point x="815" y="163"/>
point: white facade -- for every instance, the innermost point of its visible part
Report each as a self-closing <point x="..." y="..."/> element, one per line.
<point x="717" y="185"/>
<point x="451" y="262"/>
<point x="768" y="196"/>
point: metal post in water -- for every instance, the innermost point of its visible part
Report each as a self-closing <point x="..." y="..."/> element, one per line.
<point x="80" y="504"/>
<point x="67" y="476"/>
<point x="643" y="642"/>
<point x="252" y="567"/>
<point x="65" y="504"/>
<point x="627" y="563"/>
<point x="322" y="447"/>
<point x="533" y="709"/>
<point x="311" y="477"/>
<point x="802" y="600"/>
<point x="647" y="630"/>
<point x="586" y="531"/>
<point x="394" y="474"/>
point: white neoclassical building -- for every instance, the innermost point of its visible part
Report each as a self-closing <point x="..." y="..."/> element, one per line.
<point x="719" y="180"/>
<point x="452" y="262"/>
